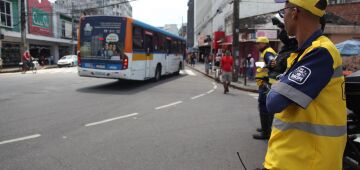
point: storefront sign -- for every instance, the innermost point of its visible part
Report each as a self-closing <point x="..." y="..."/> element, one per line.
<point x="271" y="34"/>
<point x="40" y="17"/>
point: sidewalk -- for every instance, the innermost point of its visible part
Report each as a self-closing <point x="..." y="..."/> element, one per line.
<point x="250" y="85"/>
<point x="17" y="69"/>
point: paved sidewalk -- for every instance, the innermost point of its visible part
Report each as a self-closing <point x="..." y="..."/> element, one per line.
<point x="17" y="69"/>
<point x="250" y="85"/>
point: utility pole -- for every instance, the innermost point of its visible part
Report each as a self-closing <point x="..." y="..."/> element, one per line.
<point x="72" y="28"/>
<point x="103" y="7"/>
<point x="235" y="45"/>
<point x="23" y="28"/>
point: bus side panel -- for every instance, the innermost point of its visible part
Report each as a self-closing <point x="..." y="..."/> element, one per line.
<point x="137" y="65"/>
<point x="128" y="36"/>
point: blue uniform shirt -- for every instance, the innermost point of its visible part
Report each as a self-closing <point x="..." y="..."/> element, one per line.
<point x="305" y="78"/>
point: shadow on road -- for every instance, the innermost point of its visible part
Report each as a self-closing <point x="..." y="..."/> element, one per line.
<point x="127" y="87"/>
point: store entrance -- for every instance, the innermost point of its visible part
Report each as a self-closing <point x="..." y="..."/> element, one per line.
<point x="41" y="53"/>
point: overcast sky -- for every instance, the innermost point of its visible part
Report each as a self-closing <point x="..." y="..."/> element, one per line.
<point x="159" y="12"/>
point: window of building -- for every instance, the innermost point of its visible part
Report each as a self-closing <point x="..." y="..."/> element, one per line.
<point x="63" y="32"/>
<point x="5" y="13"/>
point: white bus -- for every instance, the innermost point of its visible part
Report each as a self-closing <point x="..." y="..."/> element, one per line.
<point x="124" y="48"/>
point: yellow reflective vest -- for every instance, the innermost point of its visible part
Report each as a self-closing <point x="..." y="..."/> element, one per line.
<point x="262" y="73"/>
<point x="311" y="137"/>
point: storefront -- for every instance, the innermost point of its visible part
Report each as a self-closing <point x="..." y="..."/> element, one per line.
<point x="10" y="54"/>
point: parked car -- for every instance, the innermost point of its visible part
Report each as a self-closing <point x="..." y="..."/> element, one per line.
<point x="68" y="60"/>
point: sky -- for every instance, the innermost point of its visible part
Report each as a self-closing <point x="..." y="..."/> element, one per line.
<point x="160" y="12"/>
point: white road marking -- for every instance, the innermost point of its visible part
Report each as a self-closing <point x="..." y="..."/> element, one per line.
<point x="357" y="139"/>
<point x="112" y="119"/>
<point x="210" y="91"/>
<point x="215" y="86"/>
<point x="198" y="96"/>
<point x="254" y="95"/>
<point x="190" y="72"/>
<point x="20" y="139"/>
<point x="171" y="104"/>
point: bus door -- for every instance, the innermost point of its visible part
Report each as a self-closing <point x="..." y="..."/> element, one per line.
<point x="149" y="53"/>
<point x="170" y="55"/>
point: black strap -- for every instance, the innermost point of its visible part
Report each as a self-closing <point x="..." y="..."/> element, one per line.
<point x="297" y="59"/>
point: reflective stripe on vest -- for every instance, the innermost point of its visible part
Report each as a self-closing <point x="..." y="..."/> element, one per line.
<point x="321" y="130"/>
<point x="292" y="93"/>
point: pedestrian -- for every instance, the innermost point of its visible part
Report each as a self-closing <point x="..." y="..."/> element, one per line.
<point x="309" y="129"/>
<point x="262" y="80"/>
<point x="192" y="60"/>
<point x="250" y="62"/>
<point x="1" y="63"/>
<point x="226" y="67"/>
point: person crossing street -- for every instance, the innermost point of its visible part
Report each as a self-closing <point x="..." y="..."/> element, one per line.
<point x="226" y="68"/>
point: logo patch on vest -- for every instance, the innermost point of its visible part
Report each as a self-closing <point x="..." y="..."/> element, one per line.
<point x="300" y="75"/>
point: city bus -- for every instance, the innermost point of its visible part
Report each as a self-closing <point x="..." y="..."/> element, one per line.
<point x="124" y="48"/>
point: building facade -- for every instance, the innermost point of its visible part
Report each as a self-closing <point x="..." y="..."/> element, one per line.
<point x="47" y="32"/>
<point x="99" y="7"/>
<point x="190" y="25"/>
<point x="172" y="28"/>
<point x="219" y="18"/>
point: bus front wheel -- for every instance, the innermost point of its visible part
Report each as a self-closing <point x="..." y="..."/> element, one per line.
<point x="157" y="73"/>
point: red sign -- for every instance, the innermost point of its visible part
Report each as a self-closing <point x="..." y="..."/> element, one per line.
<point x="40" y="17"/>
<point x="218" y="36"/>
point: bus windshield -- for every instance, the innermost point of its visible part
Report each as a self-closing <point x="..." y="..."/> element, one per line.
<point x="102" y="37"/>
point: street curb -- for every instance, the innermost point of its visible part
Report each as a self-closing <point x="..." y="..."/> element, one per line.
<point x="231" y="85"/>
<point x="17" y="70"/>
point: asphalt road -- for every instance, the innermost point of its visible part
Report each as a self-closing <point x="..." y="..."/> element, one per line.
<point x="57" y="120"/>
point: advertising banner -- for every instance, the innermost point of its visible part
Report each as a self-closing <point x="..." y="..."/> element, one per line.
<point x="40" y="15"/>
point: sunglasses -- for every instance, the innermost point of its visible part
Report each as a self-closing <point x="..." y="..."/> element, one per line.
<point x="282" y="11"/>
<point x="281" y="1"/>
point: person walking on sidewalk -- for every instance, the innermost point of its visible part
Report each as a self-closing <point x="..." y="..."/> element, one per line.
<point x="262" y="80"/>
<point x="226" y="67"/>
<point x="309" y="128"/>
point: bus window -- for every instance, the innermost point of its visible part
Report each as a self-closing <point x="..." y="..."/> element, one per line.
<point x="174" y="47"/>
<point x="168" y="46"/>
<point x="162" y="43"/>
<point x="138" y="42"/>
<point x="156" y="42"/>
<point x="149" y="44"/>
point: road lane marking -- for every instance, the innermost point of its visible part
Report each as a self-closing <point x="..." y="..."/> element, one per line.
<point x="210" y="91"/>
<point x="215" y="86"/>
<point x="198" y="96"/>
<point x="169" y="105"/>
<point x="254" y="95"/>
<point x="20" y="139"/>
<point x="112" y="119"/>
<point x="357" y="139"/>
<point x="189" y="72"/>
